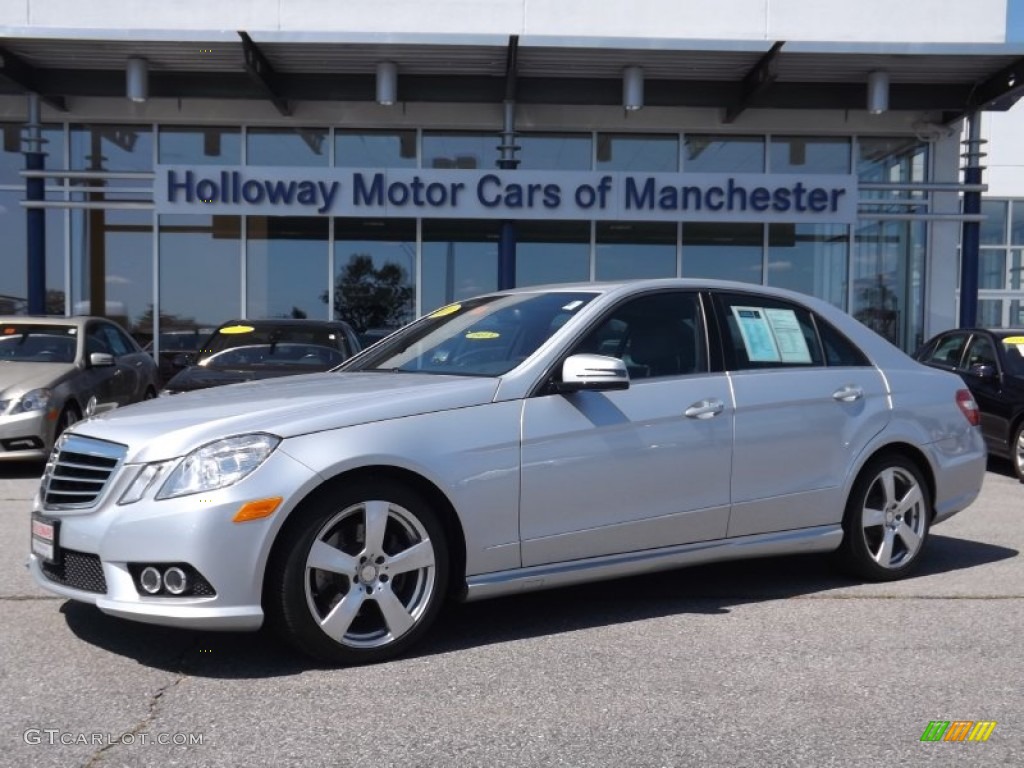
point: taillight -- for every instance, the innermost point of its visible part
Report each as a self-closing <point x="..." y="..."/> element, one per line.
<point x="968" y="407"/>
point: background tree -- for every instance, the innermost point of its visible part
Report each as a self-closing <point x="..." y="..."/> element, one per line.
<point x="367" y="297"/>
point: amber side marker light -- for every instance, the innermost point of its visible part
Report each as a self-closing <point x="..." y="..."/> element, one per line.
<point x="257" y="510"/>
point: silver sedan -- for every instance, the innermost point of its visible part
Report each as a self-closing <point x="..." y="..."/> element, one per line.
<point x="516" y="441"/>
<point x="56" y="370"/>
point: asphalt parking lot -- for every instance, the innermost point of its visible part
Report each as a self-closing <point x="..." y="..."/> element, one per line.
<point x="765" y="663"/>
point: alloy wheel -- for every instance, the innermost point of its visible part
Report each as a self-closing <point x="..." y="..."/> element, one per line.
<point x="894" y="518"/>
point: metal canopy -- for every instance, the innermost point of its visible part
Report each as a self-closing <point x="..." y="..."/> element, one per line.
<point x="733" y="80"/>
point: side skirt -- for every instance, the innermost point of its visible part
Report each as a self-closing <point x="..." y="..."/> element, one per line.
<point x="823" y="538"/>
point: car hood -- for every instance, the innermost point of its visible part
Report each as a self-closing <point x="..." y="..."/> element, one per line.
<point x="293" y="405"/>
<point x="16" y="377"/>
<point x="198" y="377"/>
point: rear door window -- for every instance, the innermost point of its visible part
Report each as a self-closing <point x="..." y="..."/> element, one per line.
<point x="764" y="332"/>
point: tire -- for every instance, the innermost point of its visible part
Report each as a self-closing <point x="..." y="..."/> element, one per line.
<point x="1017" y="452"/>
<point x="150" y="394"/>
<point x="345" y="602"/>
<point x="67" y="417"/>
<point x="887" y="520"/>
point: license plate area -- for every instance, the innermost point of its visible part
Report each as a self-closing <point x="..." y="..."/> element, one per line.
<point x="46" y="538"/>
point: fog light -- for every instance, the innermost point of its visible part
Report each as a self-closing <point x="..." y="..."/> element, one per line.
<point x="175" y="580"/>
<point x="150" y="580"/>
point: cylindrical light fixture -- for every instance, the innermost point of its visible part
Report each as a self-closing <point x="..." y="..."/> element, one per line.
<point x="387" y="83"/>
<point x="136" y="86"/>
<point x="878" y="92"/>
<point x="633" y="88"/>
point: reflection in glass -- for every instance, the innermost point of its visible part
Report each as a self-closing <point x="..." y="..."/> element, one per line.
<point x="990" y="313"/>
<point x="12" y="161"/>
<point x="810" y="258"/>
<point x="113" y="148"/>
<point x="888" y="280"/>
<point x="1016" y="273"/>
<point x="286" y="267"/>
<point x="207" y="145"/>
<point x="902" y="159"/>
<point x="562" y="152"/>
<point x="552" y="252"/>
<point x="200" y="263"/>
<point x="636" y="152"/>
<point x="992" y="268"/>
<point x="14" y="273"/>
<point x="374" y="273"/>
<point x="809" y="154"/>
<point x="993" y="228"/>
<point x="287" y="146"/>
<point x="460" y="259"/>
<point x="112" y="267"/>
<point x="707" y="153"/>
<point x="445" y="149"/>
<point x="1017" y="223"/>
<point x="375" y="149"/>
<point x="723" y="251"/>
<point x="632" y="250"/>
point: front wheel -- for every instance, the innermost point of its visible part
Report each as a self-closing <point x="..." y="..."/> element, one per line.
<point x="886" y="523"/>
<point x="1017" y="452"/>
<point x="361" y="575"/>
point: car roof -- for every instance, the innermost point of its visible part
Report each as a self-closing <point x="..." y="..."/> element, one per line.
<point x="285" y="323"/>
<point x="77" y="320"/>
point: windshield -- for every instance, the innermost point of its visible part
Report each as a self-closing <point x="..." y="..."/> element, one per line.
<point x="1013" y="349"/>
<point x="488" y="336"/>
<point x="274" y="345"/>
<point x="38" y="343"/>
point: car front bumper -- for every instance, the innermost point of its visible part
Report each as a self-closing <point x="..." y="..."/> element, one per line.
<point x="25" y="436"/>
<point x="97" y="546"/>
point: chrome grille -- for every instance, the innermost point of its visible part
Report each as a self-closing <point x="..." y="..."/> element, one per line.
<point x="78" y="471"/>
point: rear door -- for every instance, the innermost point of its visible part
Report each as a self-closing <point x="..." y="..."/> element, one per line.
<point x="807" y="402"/>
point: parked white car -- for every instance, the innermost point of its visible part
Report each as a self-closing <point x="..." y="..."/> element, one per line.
<point x="515" y="441"/>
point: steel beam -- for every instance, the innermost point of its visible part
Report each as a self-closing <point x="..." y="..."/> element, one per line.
<point x="757" y="80"/>
<point x="261" y="73"/>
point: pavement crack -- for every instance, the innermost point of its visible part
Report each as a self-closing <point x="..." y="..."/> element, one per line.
<point x="29" y="598"/>
<point x="153" y="709"/>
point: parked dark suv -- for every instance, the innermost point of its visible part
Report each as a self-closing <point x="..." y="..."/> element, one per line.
<point x="991" y="363"/>
<point x="246" y="350"/>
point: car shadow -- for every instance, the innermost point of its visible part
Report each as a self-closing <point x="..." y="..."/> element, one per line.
<point x="22" y="470"/>
<point x="707" y="590"/>
<point x="1000" y="466"/>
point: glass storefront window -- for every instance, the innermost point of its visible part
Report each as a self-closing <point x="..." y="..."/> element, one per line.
<point x="287" y="146"/>
<point x="630" y="250"/>
<point x="375" y="149"/>
<point x="990" y="313"/>
<point x="14" y="274"/>
<point x="460" y="259"/>
<point x="12" y="161"/>
<point x="892" y="160"/>
<point x="724" y="251"/>
<point x="112" y="148"/>
<point x="112" y="267"/>
<point x="186" y="145"/>
<point x="552" y="252"/>
<point x="992" y="268"/>
<point x="460" y="150"/>
<point x="286" y="267"/>
<point x="888" y="283"/>
<point x="707" y="153"/>
<point x="1015" y="277"/>
<point x="633" y="152"/>
<point x="810" y="258"/>
<point x="374" y="273"/>
<point x="550" y="152"/>
<point x="809" y="154"/>
<point x="993" y="228"/>
<point x="200" y="268"/>
<point x="1017" y="223"/>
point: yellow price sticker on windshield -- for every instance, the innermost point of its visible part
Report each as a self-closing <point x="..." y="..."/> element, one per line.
<point x="451" y="309"/>
<point x="1014" y="340"/>
<point x="482" y="335"/>
<point x="237" y="329"/>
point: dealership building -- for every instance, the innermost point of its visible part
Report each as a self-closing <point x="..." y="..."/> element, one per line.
<point x="176" y="165"/>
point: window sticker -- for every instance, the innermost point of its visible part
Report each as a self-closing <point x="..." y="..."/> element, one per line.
<point x="788" y="335"/>
<point x="229" y="329"/>
<point x="482" y="335"/>
<point x="1015" y="341"/>
<point x="757" y="335"/>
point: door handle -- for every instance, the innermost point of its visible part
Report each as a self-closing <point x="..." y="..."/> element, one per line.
<point x="848" y="394"/>
<point x="704" y="409"/>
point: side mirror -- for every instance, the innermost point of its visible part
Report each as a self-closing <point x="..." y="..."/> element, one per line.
<point x="100" y="360"/>
<point x="595" y="373"/>
<point x="983" y="371"/>
<point x="181" y="360"/>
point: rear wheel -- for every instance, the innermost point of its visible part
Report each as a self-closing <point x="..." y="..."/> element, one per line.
<point x="886" y="524"/>
<point x="361" y="575"/>
<point x="1017" y="452"/>
<point x="67" y="417"/>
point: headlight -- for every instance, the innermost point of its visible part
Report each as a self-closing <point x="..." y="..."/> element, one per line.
<point x="218" y="464"/>
<point x="34" y="400"/>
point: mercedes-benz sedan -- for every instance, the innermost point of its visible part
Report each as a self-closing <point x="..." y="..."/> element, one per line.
<point x="515" y="441"/>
